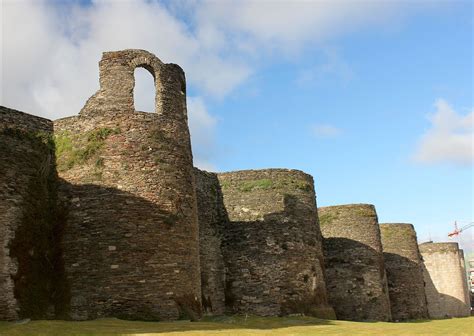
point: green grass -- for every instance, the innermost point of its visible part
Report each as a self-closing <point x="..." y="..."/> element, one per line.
<point x="240" y="326"/>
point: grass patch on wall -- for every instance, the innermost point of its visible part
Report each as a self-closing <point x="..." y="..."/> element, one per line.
<point x="326" y="219"/>
<point x="266" y="184"/>
<point x="256" y="184"/>
<point x="72" y="150"/>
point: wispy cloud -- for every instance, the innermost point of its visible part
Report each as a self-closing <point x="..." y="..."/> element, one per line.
<point x="450" y="138"/>
<point x="50" y="49"/>
<point x="325" y="131"/>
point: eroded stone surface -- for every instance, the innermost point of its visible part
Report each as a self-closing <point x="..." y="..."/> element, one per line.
<point x="212" y="218"/>
<point x="355" y="272"/>
<point x="26" y="220"/>
<point x="404" y="270"/>
<point x="131" y="238"/>
<point x="272" y="244"/>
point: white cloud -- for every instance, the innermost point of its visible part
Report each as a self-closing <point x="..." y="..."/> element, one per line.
<point x="290" y="25"/>
<point x="202" y="128"/>
<point x="325" y="131"/>
<point x="50" y="49"/>
<point x="450" y="138"/>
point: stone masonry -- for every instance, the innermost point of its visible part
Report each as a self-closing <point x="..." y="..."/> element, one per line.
<point x="272" y="244"/>
<point x="355" y="271"/>
<point x="404" y="270"/>
<point x="26" y="221"/>
<point x="131" y="246"/>
<point x="444" y="279"/>
<point x="212" y="217"/>
<point x="102" y="214"/>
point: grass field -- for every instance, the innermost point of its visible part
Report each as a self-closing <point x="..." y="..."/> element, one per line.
<point x="240" y="326"/>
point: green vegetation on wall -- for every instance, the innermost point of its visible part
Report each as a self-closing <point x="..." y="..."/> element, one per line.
<point x="79" y="149"/>
<point x="265" y="184"/>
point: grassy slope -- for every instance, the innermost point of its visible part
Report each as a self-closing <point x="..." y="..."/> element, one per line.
<point x="238" y="326"/>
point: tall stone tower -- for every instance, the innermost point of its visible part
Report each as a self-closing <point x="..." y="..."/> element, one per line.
<point x="130" y="242"/>
<point x="404" y="269"/>
<point x="355" y="271"/>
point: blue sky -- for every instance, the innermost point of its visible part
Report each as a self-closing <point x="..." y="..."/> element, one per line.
<point x="374" y="99"/>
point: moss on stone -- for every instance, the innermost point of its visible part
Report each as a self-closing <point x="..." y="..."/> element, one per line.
<point x="326" y="219"/>
<point x="79" y="149"/>
<point x="255" y="184"/>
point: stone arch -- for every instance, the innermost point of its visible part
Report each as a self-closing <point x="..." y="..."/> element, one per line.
<point x="117" y="82"/>
<point x="144" y="99"/>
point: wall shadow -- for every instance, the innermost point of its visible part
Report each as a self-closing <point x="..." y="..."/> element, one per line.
<point x="122" y="255"/>
<point x="406" y="288"/>
<point x="270" y="264"/>
<point x="441" y="305"/>
<point x="355" y="280"/>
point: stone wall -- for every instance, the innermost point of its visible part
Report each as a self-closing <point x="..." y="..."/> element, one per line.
<point x="444" y="279"/>
<point x="131" y="244"/>
<point x="212" y="217"/>
<point x="272" y="244"/>
<point x="27" y="203"/>
<point x="466" y="287"/>
<point x="355" y="272"/>
<point x="404" y="270"/>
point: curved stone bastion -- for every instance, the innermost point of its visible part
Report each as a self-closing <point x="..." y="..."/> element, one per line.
<point x="272" y="244"/>
<point x="445" y="280"/>
<point x="404" y="269"/>
<point x="355" y="272"/>
<point x="130" y="243"/>
<point x="27" y="250"/>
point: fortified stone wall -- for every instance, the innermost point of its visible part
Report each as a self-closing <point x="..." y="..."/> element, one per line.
<point x="444" y="279"/>
<point x="211" y="217"/>
<point x="272" y="244"/>
<point x="27" y="251"/>
<point x="355" y="271"/>
<point x="131" y="244"/>
<point x="466" y="287"/>
<point x="404" y="270"/>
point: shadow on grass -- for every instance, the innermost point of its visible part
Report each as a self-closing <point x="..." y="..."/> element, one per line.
<point x="116" y="326"/>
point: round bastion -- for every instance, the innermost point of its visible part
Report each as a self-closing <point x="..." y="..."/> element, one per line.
<point x="445" y="280"/>
<point x="355" y="272"/>
<point x="403" y="266"/>
<point x="272" y="244"/>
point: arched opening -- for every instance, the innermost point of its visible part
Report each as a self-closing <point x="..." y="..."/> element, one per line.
<point x="144" y="90"/>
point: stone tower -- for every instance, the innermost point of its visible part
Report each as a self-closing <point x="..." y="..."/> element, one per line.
<point x="445" y="280"/>
<point x="355" y="271"/>
<point x="130" y="238"/>
<point x="27" y="217"/>
<point x="272" y="244"/>
<point x="404" y="270"/>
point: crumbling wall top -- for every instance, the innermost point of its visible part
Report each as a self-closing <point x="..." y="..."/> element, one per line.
<point x="117" y="82"/>
<point x="430" y="247"/>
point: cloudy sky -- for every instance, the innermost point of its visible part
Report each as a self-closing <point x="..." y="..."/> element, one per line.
<point x="373" y="98"/>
